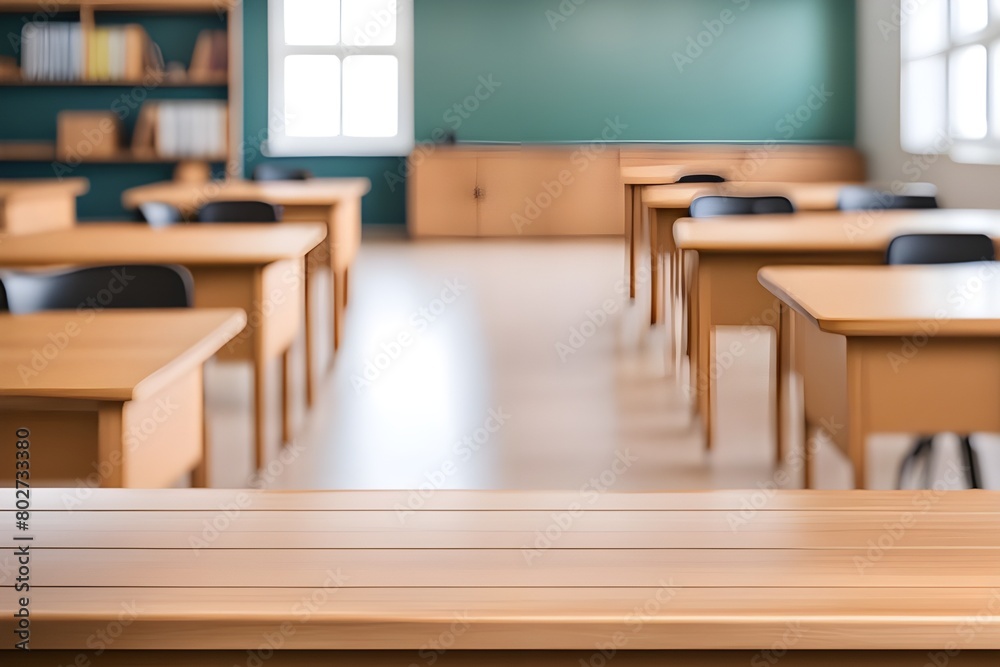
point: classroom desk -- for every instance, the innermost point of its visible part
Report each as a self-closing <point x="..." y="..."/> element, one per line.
<point x="728" y="253"/>
<point x="894" y="349"/>
<point x="346" y="578"/>
<point x="669" y="203"/>
<point x="38" y="205"/>
<point x="335" y="201"/>
<point x="258" y="268"/>
<point x="110" y="396"/>
<point x="633" y="178"/>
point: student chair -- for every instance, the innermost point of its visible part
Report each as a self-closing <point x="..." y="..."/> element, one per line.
<point x="240" y="211"/>
<point x="273" y="172"/>
<point x="160" y="214"/>
<point x="863" y="198"/>
<point x="98" y="287"/>
<point x="716" y="206"/>
<point x="701" y="178"/>
<point x="940" y="249"/>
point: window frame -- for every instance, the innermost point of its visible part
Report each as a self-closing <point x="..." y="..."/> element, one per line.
<point x="280" y="144"/>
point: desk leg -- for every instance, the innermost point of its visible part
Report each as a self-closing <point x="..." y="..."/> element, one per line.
<point x="339" y="288"/>
<point x="856" y="427"/>
<point x="655" y="296"/>
<point x="629" y="242"/>
<point x="704" y="354"/>
<point x="312" y="274"/>
<point x="260" y="385"/>
<point x="201" y="476"/>
<point x="782" y="362"/>
<point x="287" y="432"/>
<point x="110" y="444"/>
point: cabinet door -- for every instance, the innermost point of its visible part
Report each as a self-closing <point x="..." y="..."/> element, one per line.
<point x="550" y="192"/>
<point x="441" y="193"/>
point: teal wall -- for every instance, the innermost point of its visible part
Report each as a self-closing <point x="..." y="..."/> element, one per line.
<point x="560" y="80"/>
<point x="564" y="69"/>
<point x="562" y="73"/>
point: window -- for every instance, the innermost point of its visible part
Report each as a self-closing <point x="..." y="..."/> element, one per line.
<point x="341" y="77"/>
<point x="950" y="88"/>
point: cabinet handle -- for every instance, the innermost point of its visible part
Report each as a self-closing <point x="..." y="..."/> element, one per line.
<point x="479" y="193"/>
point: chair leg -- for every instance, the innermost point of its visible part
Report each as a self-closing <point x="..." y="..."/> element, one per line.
<point x="922" y="450"/>
<point x="971" y="463"/>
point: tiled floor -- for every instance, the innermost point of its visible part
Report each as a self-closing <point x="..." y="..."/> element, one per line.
<point x="461" y="369"/>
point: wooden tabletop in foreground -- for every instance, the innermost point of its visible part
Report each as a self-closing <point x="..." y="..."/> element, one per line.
<point x="388" y="570"/>
<point x="831" y="230"/>
<point x="181" y="244"/>
<point x="958" y="299"/>
<point x="117" y="355"/>
<point x="311" y="192"/>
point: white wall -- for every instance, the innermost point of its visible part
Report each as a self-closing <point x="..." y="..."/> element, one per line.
<point x="959" y="185"/>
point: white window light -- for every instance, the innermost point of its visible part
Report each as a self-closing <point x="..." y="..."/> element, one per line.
<point x="340" y="77"/>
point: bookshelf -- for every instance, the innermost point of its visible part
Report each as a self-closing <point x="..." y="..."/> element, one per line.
<point x="177" y="83"/>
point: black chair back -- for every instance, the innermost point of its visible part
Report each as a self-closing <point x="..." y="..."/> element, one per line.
<point x="715" y="206"/>
<point x="240" y="211"/>
<point x="4" y="306"/>
<point x="701" y="178"/>
<point x="99" y="287"/>
<point x="160" y="214"/>
<point x="940" y="249"/>
<point x="863" y="198"/>
<point x="268" y="171"/>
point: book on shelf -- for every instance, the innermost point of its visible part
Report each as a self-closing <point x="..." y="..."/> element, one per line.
<point x="63" y="51"/>
<point x="182" y="129"/>
<point x="210" y="60"/>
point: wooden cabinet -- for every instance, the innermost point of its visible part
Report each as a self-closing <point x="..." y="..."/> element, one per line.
<point x="544" y="191"/>
<point x="577" y="190"/>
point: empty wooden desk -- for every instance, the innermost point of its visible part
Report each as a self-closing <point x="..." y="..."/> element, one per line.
<point x="335" y="201"/>
<point x="650" y="579"/>
<point x="39" y="205"/>
<point x="257" y="268"/>
<point x="894" y="349"/>
<point x="669" y="203"/>
<point x="730" y="251"/>
<point x="109" y="397"/>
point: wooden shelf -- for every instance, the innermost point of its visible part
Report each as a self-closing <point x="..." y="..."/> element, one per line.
<point x="159" y="83"/>
<point x="41" y="151"/>
<point x="210" y="6"/>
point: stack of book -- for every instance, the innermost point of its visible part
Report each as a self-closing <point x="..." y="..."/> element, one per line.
<point x="117" y="53"/>
<point x="62" y="51"/>
<point x="182" y="129"/>
<point x="52" y="52"/>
